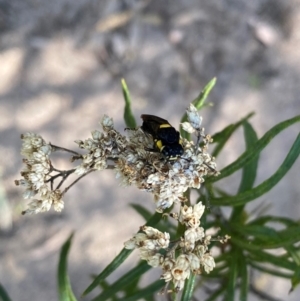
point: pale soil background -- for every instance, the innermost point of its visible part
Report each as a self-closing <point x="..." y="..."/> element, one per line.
<point x="60" y="68"/>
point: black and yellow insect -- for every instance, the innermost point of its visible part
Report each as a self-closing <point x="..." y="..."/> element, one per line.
<point x="166" y="138"/>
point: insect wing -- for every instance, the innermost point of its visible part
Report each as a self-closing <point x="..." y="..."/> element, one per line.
<point x="152" y="124"/>
<point x="155" y="119"/>
<point x="159" y="128"/>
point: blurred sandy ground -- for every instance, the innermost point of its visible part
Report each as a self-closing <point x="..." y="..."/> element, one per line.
<point x="60" y="68"/>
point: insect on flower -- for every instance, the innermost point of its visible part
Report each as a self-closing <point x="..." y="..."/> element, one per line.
<point x="166" y="139"/>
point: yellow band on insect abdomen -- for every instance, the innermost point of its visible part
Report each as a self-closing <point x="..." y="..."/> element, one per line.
<point x="165" y="125"/>
<point x="158" y="144"/>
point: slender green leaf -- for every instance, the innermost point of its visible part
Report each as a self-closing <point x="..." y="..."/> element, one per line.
<point x="104" y="285"/>
<point x="258" y="232"/>
<point x="222" y="137"/>
<point x="3" y="294"/>
<point x="119" y="259"/>
<point x="244" y="243"/>
<point x="149" y="298"/>
<point x="268" y="238"/>
<point x="262" y="220"/>
<point x="132" y="287"/>
<point x="283" y="239"/>
<point x="156" y="217"/>
<point x="221" y="192"/>
<point x="294" y="252"/>
<point x="244" y="282"/>
<point x="225" y="133"/>
<point x="124" y="281"/>
<point x="145" y="213"/>
<point x="254" y="151"/>
<point x="295" y="281"/>
<point x="198" y="102"/>
<point x="145" y="292"/>
<point x="279" y="261"/>
<point x="188" y="289"/>
<point x="274" y="272"/>
<point x="128" y="116"/>
<point x="249" y="170"/>
<point x="65" y="292"/>
<point x="265" y="186"/>
<point x="232" y="277"/>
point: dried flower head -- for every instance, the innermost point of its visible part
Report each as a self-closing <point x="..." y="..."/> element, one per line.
<point x="166" y="180"/>
<point x="136" y="162"/>
<point x="194" y="120"/>
<point x="179" y="258"/>
<point x="36" y="175"/>
<point x="131" y="159"/>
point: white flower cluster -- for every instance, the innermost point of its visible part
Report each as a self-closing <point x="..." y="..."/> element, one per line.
<point x="131" y="159"/>
<point x="194" y="120"/>
<point x="36" y="175"/>
<point x="194" y="257"/>
<point x="101" y="147"/>
<point x="167" y="181"/>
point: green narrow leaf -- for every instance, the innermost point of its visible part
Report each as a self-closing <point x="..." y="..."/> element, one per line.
<point x="249" y="170"/>
<point x="262" y="220"/>
<point x="221" y="140"/>
<point x="294" y="252"/>
<point x="119" y="259"/>
<point x="198" y="102"/>
<point x="222" y="137"/>
<point x="244" y="282"/>
<point x="3" y="294"/>
<point x="265" y="242"/>
<point x="242" y="243"/>
<point x="254" y="151"/>
<point x="65" y="292"/>
<point x="259" y="232"/>
<point x="145" y="213"/>
<point x="274" y="272"/>
<point x="279" y="261"/>
<point x="149" y="298"/>
<point x="124" y="281"/>
<point x="265" y="186"/>
<point x="145" y="292"/>
<point x="188" y="290"/>
<point x="156" y="217"/>
<point x="227" y="131"/>
<point x="232" y="274"/>
<point x="104" y="285"/>
<point x="128" y="116"/>
<point x="132" y="287"/>
<point x="269" y="238"/>
<point x="295" y="279"/>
